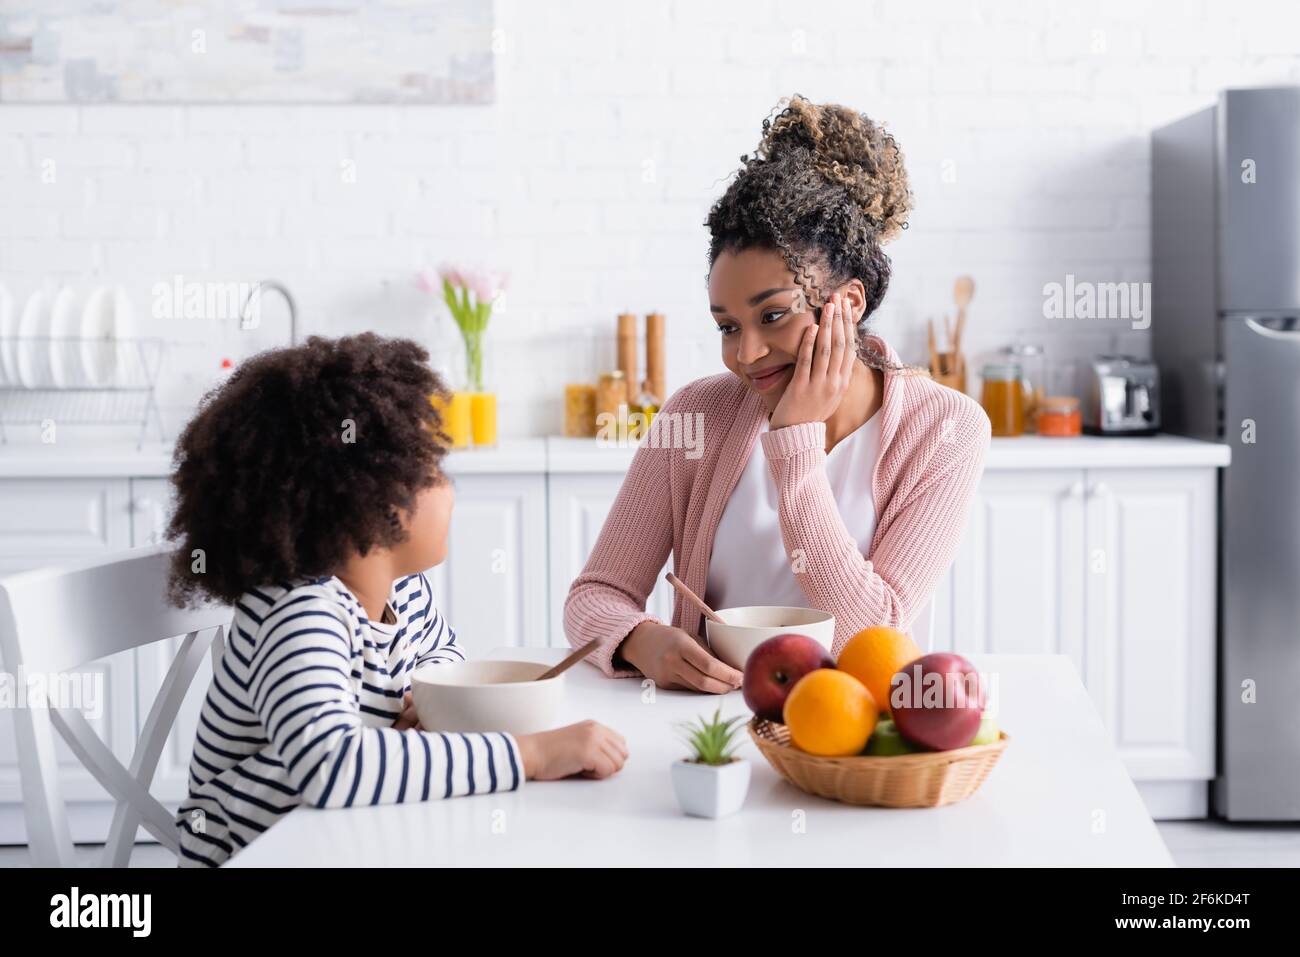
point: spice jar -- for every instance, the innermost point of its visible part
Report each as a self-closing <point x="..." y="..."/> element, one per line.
<point x="580" y="410"/>
<point x="1003" y="399"/>
<point x="611" y="392"/>
<point x="1058" y="415"/>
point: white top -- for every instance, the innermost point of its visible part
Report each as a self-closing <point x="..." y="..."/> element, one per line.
<point x="1038" y="807"/>
<point x="749" y="565"/>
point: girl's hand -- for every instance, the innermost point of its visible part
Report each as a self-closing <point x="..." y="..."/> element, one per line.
<point x="822" y="370"/>
<point x="587" y="748"/>
<point x="675" y="660"/>
<point x="408" y="720"/>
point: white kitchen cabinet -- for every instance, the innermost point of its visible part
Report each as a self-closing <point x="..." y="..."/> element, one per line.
<point x="1114" y="568"/>
<point x="1151" y="573"/>
<point x="492" y="588"/>
<point x="1018" y="574"/>
<point x="578" y="504"/>
<point x="150" y="508"/>
<point x="45" y="521"/>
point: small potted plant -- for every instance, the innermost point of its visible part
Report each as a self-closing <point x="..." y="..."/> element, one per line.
<point x="712" y="782"/>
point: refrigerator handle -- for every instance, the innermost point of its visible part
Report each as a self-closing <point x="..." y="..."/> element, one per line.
<point x="1262" y="328"/>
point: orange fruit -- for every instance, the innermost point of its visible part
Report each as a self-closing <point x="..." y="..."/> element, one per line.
<point x="874" y="655"/>
<point x="830" y="713"/>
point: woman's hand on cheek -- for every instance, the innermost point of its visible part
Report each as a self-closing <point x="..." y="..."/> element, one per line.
<point x="822" y="370"/>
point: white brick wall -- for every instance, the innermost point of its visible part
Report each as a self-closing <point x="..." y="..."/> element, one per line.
<point x="614" y="128"/>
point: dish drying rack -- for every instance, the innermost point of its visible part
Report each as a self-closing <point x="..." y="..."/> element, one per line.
<point x="79" y="381"/>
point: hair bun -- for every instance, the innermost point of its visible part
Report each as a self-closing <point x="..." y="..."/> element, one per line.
<point x="847" y="148"/>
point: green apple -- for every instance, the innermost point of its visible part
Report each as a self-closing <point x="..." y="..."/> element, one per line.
<point x="887" y="742"/>
<point x="988" y="732"/>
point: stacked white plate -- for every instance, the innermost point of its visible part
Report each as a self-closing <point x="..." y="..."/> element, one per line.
<point x="65" y="326"/>
<point x="8" y="332"/>
<point x="32" y="347"/>
<point x="58" y="343"/>
<point x="105" y="323"/>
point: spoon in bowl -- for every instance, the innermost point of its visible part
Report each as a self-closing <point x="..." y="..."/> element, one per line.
<point x="693" y="598"/>
<point x="572" y="659"/>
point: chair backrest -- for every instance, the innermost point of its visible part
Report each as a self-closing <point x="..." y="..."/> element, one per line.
<point x="54" y="620"/>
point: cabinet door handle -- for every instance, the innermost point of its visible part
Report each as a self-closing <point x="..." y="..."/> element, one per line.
<point x="1075" y="490"/>
<point x="1098" y="489"/>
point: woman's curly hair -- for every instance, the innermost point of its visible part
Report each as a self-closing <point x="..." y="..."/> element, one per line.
<point x="826" y="187"/>
<point x="301" y="458"/>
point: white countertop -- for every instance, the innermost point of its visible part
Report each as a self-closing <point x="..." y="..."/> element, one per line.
<point x="1023" y="452"/>
<point x="154" y="461"/>
<point x="562" y="455"/>
<point x="1095" y="452"/>
<point x="1058" y="797"/>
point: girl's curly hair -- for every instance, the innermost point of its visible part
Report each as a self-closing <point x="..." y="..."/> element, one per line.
<point x="301" y="458"/>
<point x="826" y="187"/>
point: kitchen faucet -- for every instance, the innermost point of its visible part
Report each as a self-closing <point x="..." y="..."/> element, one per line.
<point x="255" y="295"/>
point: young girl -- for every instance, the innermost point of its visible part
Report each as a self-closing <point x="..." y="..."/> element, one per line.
<point x="309" y="496"/>
<point x="830" y="475"/>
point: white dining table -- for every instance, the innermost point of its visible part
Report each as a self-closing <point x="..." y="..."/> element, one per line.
<point x="1059" y="796"/>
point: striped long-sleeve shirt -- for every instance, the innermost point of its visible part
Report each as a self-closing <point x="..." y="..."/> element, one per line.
<point x="300" y="711"/>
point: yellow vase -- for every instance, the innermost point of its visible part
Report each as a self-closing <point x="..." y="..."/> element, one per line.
<point x="455" y="414"/>
<point x="483" y="417"/>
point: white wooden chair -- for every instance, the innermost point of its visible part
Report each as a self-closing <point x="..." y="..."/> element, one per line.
<point x="58" y="619"/>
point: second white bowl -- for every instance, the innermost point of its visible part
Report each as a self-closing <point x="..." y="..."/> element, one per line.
<point x="746" y="628"/>
<point x="487" y="695"/>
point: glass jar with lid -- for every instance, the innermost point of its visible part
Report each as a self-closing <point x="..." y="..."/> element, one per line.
<point x="1003" y="398"/>
<point x="1058" y="415"/>
<point x="1032" y="361"/>
<point x="611" y="397"/>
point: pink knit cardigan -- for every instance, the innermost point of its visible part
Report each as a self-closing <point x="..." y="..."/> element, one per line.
<point x="932" y="445"/>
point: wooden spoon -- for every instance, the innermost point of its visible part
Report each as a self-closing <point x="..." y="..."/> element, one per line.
<point x="574" y="657"/>
<point x="693" y="598"/>
<point x="963" y="290"/>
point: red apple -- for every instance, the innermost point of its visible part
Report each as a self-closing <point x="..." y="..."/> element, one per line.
<point x="774" y="667"/>
<point x="937" y="701"/>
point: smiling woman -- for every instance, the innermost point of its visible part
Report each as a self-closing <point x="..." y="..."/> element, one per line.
<point x="832" y="476"/>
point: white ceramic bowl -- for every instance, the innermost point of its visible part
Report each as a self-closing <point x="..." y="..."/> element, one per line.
<point x="487" y="696"/>
<point x="746" y="628"/>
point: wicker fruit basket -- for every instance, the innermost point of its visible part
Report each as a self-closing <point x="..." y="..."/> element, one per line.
<point x="924" y="779"/>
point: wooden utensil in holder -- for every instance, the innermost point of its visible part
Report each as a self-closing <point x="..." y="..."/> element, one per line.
<point x="949" y="368"/>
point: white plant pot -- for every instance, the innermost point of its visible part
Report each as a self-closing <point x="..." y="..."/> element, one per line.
<point x="704" y="790"/>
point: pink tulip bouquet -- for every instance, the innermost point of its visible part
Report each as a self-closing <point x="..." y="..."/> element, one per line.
<point x="469" y="295"/>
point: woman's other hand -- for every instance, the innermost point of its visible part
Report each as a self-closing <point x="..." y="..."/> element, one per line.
<point x="674" y="660"/>
<point x="823" y="368"/>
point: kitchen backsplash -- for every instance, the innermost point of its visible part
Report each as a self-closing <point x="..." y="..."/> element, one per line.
<point x="1026" y="137"/>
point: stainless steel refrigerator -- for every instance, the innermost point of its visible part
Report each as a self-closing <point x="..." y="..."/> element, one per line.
<point x="1225" y="190"/>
